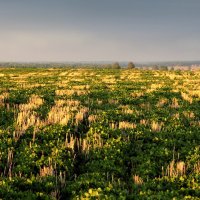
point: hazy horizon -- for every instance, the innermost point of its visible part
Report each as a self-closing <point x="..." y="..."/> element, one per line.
<point x="96" y="31"/>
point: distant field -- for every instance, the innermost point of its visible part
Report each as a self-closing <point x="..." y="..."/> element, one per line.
<point x="99" y="134"/>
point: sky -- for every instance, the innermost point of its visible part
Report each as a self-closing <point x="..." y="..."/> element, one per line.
<point x="99" y="30"/>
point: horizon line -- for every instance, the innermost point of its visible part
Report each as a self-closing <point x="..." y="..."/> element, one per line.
<point x="101" y="61"/>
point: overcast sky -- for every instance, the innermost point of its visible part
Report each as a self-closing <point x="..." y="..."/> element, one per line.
<point x="99" y="30"/>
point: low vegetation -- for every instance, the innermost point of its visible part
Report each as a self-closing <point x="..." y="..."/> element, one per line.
<point x="99" y="134"/>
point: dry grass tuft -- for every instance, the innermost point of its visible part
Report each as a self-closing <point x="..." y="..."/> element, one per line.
<point x="46" y="171"/>
<point x="156" y="127"/>
<point x="175" y="103"/>
<point x="186" y="97"/>
<point x="144" y="122"/>
<point x="137" y="180"/>
<point x="176" y="169"/>
<point x="126" y="125"/>
<point x="197" y="167"/>
<point x="162" y="102"/>
<point x="3" y="97"/>
<point x="189" y="114"/>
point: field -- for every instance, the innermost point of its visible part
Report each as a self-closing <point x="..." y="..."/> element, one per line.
<point x="99" y="134"/>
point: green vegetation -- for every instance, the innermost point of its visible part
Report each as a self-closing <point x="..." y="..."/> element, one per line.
<point x="99" y="134"/>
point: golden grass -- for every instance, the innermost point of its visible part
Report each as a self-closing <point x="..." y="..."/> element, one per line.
<point x="137" y="180"/>
<point x="127" y="110"/>
<point x="26" y="116"/>
<point x="46" y="171"/>
<point x="189" y="114"/>
<point x="156" y="126"/>
<point x="144" y="122"/>
<point x="162" y="102"/>
<point x="70" y="92"/>
<point x="3" y="97"/>
<point x="175" y="103"/>
<point x="137" y="94"/>
<point x="197" y="167"/>
<point x="93" y="118"/>
<point x="126" y="125"/>
<point x="186" y="97"/>
<point x="59" y="115"/>
<point x="175" y="169"/>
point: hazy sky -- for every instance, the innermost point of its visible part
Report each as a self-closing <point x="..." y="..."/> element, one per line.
<point x="96" y="30"/>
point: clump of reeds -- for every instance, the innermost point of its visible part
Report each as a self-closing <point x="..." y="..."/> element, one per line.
<point x="46" y="171"/>
<point x="175" y="169"/>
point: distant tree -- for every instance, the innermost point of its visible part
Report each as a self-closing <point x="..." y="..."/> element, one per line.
<point x="116" y="65"/>
<point x="130" y="65"/>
